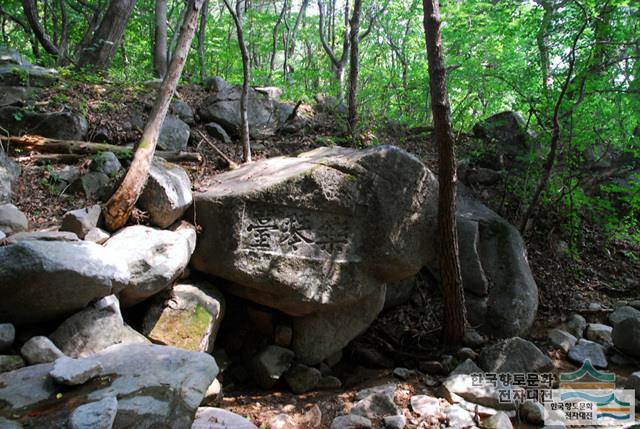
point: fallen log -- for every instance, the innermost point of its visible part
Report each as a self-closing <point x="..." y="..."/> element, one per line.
<point x="74" y="147"/>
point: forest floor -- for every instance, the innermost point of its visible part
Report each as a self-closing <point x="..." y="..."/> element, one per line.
<point x="598" y="271"/>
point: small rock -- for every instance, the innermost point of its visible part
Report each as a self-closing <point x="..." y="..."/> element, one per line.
<point x="95" y="415"/>
<point x="269" y="365"/>
<point x="388" y="390"/>
<point x="635" y="304"/>
<point x="174" y="134"/>
<point x="40" y="349"/>
<point x="217" y="418"/>
<point x="403" y="373"/>
<point x="514" y="355"/>
<point x="594" y="307"/>
<point x="463" y="387"/>
<point x="600" y="334"/>
<point x="351" y="421"/>
<point x="467" y="367"/>
<point x="42" y="236"/>
<point x="448" y="363"/>
<point x="329" y="382"/>
<point x="216" y="131"/>
<point x="7" y="335"/>
<point x="281" y="421"/>
<point x="282" y="335"/>
<point x="97" y="235"/>
<point x="576" y="325"/>
<point x="472" y="338"/>
<point x="302" y="378"/>
<point x="12" y="220"/>
<point x="82" y="220"/>
<point x="10" y="363"/>
<point x="214" y="394"/>
<point x="312" y="418"/>
<point x="94" y="185"/>
<point x="466" y="353"/>
<point x="425" y="405"/>
<point x="623" y="313"/>
<point x="73" y="372"/>
<point x="561" y="339"/>
<point x="375" y="406"/>
<point x="107" y="163"/>
<point x="588" y="350"/>
<point x="626" y="336"/>
<point x="9" y="424"/>
<point x="532" y="412"/>
<point x="459" y="417"/>
<point x="395" y="422"/>
<point x="182" y="110"/>
<point x="432" y="367"/>
<point x="498" y="421"/>
<point x="633" y="382"/>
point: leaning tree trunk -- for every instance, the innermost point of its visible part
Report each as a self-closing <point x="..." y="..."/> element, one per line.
<point x="352" y="115"/>
<point x="454" y="310"/>
<point x="119" y="207"/>
<point x="160" y="39"/>
<point x="31" y="12"/>
<point x="104" y="44"/>
<point x="246" y="74"/>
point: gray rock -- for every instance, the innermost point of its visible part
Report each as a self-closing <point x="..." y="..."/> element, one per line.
<point x="425" y="405"/>
<point x="95" y="415"/>
<point x="57" y="125"/>
<point x="7" y="335"/>
<point x="80" y="221"/>
<point x="394" y="422"/>
<point x="532" y="412"/>
<point x="156" y="386"/>
<point x="635" y="304"/>
<point x="321" y="334"/>
<point x="69" y="174"/>
<point x="10" y="363"/>
<point x="40" y="349"/>
<point x="155" y="259"/>
<point x="388" y="390"/>
<point x="626" y="336"/>
<point x="269" y="365"/>
<point x="216" y="84"/>
<point x="41" y="280"/>
<point x="12" y="220"/>
<point x="600" y="334"/>
<point x="329" y="382"/>
<point x="217" y="418"/>
<point x="10" y="56"/>
<point x="94" y="185"/>
<point x="467" y="367"/>
<point x="174" y="134"/>
<point x="458" y="417"/>
<point x="514" y="355"/>
<point x="182" y="110"/>
<point x="466" y="353"/>
<point x="498" y="421"/>
<point x="264" y="113"/>
<point x="42" y="236"/>
<point x="473" y="338"/>
<point x="9" y="173"/>
<point x="403" y="373"/>
<point x="14" y="95"/>
<point x="188" y="316"/>
<point x="481" y="176"/>
<point x="561" y="339"/>
<point x="375" y="406"/>
<point x="26" y="74"/>
<point x="94" y="329"/>
<point x="588" y="350"/>
<point x="351" y="421"/>
<point x="399" y="292"/>
<point x="97" y="235"/>
<point x="302" y="378"/>
<point x="633" y="382"/>
<point x="576" y="325"/>
<point x="167" y="194"/>
<point x="214" y="393"/>
<point x="457" y="388"/>
<point x="216" y="131"/>
<point x="508" y="129"/>
<point x="107" y="163"/>
<point x="511" y="299"/>
<point x="72" y="372"/>
<point x="9" y="424"/>
<point x="623" y="313"/>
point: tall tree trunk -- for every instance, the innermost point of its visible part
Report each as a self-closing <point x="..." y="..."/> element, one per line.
<point x="118" y="209"/>
<point x="107" y="38"/>
<point x="274" y="47"/>
<point x="454" y="310"/>
<point x="542" y="39"/>
<point x="202" y="32"/>
<point x="296" y="26"/>
<point x="246" y="74"/>
<point x="352" y="115"/>
<point x="160" y="39"/>
<point x="31" y="12"/>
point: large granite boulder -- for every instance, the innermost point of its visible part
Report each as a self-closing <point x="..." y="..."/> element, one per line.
<point x="44" y="280"/>
<point x="16" y="71"/>
<point x="501" y="294"/>
<point x="156" y="386"/>
<point x="323" y="231"/>
<point x="9" y="173"/>
<point x="188" y="316"/>
<point x="55" y="125"/>
<point x="156" y="258"/>
<point x="174" y="134"/>
<point x="264" y="111"/>
<point x="508" y="130"/>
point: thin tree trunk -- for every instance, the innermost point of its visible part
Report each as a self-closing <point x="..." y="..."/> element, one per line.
<point x="454" y="310"/>
<point x="201" y="40"/>
<point x="31" y="12"/>
<point x="160" y="39"/>
<point x="246" y="74"/>
<point x="542" y="40"/>
<point x="107" y="38"/>
<point x="274" y="47"/>
<point x="118" y="209"/>
<point x="294" y="32"/>
<point x="352" y="115"/>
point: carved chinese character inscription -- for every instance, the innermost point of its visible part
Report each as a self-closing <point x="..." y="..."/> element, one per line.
<point x="280" y="229"/>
